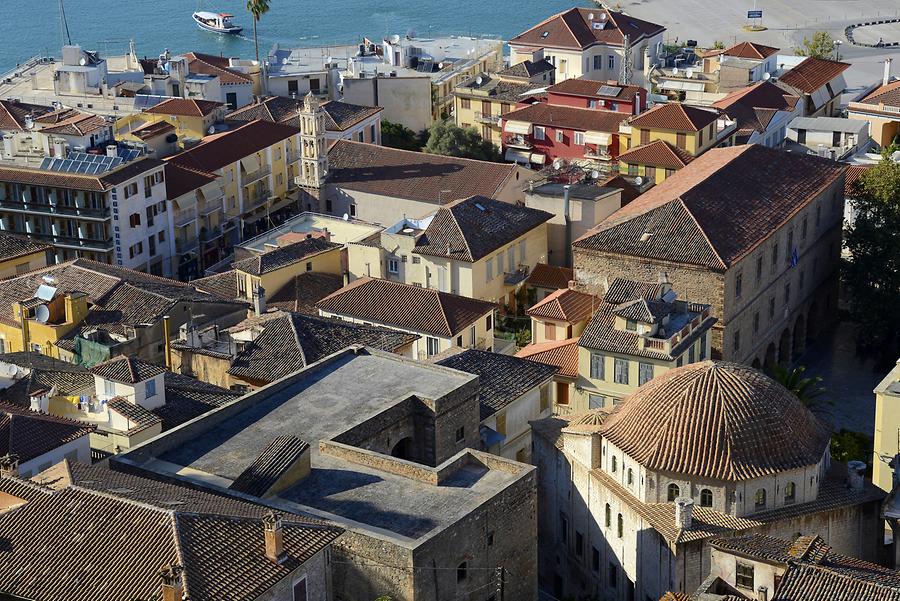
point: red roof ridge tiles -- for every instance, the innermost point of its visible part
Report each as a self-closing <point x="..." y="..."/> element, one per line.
<point x="657" y="153"/>
<point x="750" y="50"/>
<point x="187" y="107"/>
<point x="565" y="305"/>
<point x="812" y="74"/>
<point x="559" y="353"/>
<point x="675" y="116"/>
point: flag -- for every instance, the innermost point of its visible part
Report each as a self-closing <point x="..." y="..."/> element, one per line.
<point x="795" y="257"/>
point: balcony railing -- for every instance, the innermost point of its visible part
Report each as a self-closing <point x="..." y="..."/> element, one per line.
<point x="601" y="154"/>
<point x="185" y="216"/>
<point x="258" y="199"/>
<point x="519" y="142"/>
<point x="256" y="175"/>
<point x="487" y="118"/>
<point x="293" y="156"/>
<point x="183" y="245"/>
<point x="54" y="209"/>
<point x="92" y="244"/>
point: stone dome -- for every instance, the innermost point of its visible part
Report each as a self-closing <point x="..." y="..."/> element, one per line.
<point x="716" y="420"/>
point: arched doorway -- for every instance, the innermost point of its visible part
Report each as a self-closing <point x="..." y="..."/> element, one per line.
<point x="770" y="360"/>
<point x="784" y="347"/>
<point x="799" y="335"/>
<point x="403" y="448"/>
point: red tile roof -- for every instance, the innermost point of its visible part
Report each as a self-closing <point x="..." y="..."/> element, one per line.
<point x="675" y="116"/>
<point x="219" y="150"/>
<point x="854" y="172"/>
<point x="181" y="179"/>
<point x="576" y="29"/>
<point x="755" y="106"/>
<point x="549" y="276"/>
<point x="559" y="353"/>
<point x="657" y="153"/>
<point x="750" y="50"/>
<point x="589" y="89"/>
<point x="210" y="64"/>
<point x="568" y="117"/>
<point x="185" y="107"/>
<point x="78" y="124"/>
<point x="887" y="94"/>
<point x="565" y="305"/>
<point x="13" y="113"/>
<point x="152" y="130"/>
<point x="812" y="74"/>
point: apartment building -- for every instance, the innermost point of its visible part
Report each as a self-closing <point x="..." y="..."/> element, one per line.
<point x="191" y="118"/>
<point x="18" y="254"/>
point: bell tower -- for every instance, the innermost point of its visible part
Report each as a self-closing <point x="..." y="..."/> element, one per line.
<point x="313" y="152"/>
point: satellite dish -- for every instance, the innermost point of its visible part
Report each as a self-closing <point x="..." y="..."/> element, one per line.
<point x="674" y="70"/>
<point x="42" y="314"/>
<point x="8" y="369"/>
<point x="83" y="61"/>
<point x="49" y="279"/>
<point x="211" y="130"/>
<point x="595" y="174"/>
<point x="557" y="164"/>
<point x="45" y="292"/>
<point x="639" y="180"/>
<point x="479" y="80"/>
<point x="689" y="73"/>
<point x="395" y="39"/>
<point x="766" y="76"/>
<point x="346" y="217"/>
<point x="590" y="16"/>
<point x="603" y="16"/>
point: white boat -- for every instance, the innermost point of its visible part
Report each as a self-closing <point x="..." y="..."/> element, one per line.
<point x="216" y="22"/>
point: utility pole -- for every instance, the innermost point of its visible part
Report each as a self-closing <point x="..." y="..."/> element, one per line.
<point x="65" y="38"/>
<point x="625" y="75"/>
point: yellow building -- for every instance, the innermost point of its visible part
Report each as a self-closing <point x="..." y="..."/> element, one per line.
<point x="192" y="119"/>
<point x="881" y="108"/>
<point x="887" y="428"/>
<point x="561" y="315"/>
<point x="38" y="323"/>
<point x="685" y="132"/>
<point x="476" y="247"/>
<point x="19" y="254"/>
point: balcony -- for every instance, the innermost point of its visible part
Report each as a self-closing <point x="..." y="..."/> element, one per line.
<point x="256" y="175"/>
<point x="77" y="243"/>
<point x="599" y="154"/>
<point x="518" y="142"/>
<point x="293" y="156"/>
<point x="489" y="119"/>
<point x="516" y="277"/>
<point x="55" y="209"/>
<point x="185" y="216"/>
<point x="213" y="232"/>
<point x="257" y="200"/>
<point x="184" y="245"/>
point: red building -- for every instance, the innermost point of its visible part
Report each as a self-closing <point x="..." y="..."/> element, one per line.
<point x="578" y="120"/>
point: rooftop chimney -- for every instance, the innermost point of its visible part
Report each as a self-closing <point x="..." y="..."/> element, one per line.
<point x="9" y="465"/>
<point x="856" y="474"/>
<point x="274" y="537"/>
<point x="112" y="151"/>
<point x="173" y="583"/>
<point x="887" y="71"/>
<point x="684" y="512"/>
<point x="259" y="300"/>
<point x="665" y="284"/>
<point x="762" y="593"/>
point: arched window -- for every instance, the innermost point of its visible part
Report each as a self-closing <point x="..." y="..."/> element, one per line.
<point x="705" y="498"/>
<point x="674" y="492"/>
<point x="630" y="477"/>
<point x="608" y="515"/>
<point x="760" y="500"/>
<point x="620" y="526"/>
<point x="790" y="493"/>
<point x="615" y="464"/>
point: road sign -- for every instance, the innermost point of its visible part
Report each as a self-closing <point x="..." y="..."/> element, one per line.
<point x="754" y="14"/>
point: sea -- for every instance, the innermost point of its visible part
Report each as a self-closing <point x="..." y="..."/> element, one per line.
<point x="32" y="27"/>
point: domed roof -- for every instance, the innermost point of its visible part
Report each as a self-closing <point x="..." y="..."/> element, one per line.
<point x="716" y="420"/>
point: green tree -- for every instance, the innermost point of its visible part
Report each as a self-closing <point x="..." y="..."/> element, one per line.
<point x="820" y="46"/>
<point x="872" y="273"/>
<point x="396" y="135"/>
<point x="719" y="45"/>
<point x="449" y="140"/>
<point x="808" y="389"/>
<point x="257" y="8"/>
<point x="847" y="445"/>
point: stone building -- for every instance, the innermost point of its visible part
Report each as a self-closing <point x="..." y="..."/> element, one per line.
<point x="630" y="499"/>
<point x="382" y="446"/>
<point x="752" y="231"/>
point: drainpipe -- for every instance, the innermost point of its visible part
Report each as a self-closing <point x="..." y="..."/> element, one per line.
<point x="568" y="219"/>
<point x="168" y="343"/>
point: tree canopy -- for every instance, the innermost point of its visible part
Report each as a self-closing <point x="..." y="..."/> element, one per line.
<point x="821" y="45"/>
<point x="872" y="273"/>
<point x="449" y="140"/>
<point x="399" y="136"/>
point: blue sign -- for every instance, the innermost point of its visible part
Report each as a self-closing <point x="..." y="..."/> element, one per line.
<point x="754" y="14"/>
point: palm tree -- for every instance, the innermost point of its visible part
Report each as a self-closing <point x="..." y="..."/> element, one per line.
<point x="257" y="8"/>
<point x="808" y="390"/>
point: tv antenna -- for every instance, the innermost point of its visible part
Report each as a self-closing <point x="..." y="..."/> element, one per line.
<point x="64" y="36"/>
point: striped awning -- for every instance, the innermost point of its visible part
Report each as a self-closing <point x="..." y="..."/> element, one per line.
<point x="517" y="156"/>
<point x="597" y="137"/>
<point x="517" y="127"/>
<point x="250" y="163"/>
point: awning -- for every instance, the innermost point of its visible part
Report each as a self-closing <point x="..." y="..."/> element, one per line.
<point x="250" y="163"/>
<point x="517" y="127"/>
<point x="597" y="137"/>
<point x="212" y="189"/>
<point x="688" y="86"/>
<point x="517" y="156"/>
<point x="185" y="202"/>
<point x="538" y="158"/>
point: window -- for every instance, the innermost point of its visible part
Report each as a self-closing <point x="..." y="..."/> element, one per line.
<point x="459" y="341"/>
<point x="489" y="270"/>
<point x="393" y="266"/>
<point x="759" y="267"/>
<point x="148" y="186"/>
<point x="790" y="493"/>
<point x="772" y="308"/>
<point x="487" y="323"/>
<point x="621" y="371"/>
<point x="597" y="366"/>
<point x="598" y="63"/>
<point x="462" y="572"/>
<point x="353" y="210"/>
<point x="231" y="98"/>
<point x="595" y="559"/>
<point x="596" y="401"/>
<point x="460" y="434"/>
<point x="787" y="293"/>
<point x="645" y="373"/>
<point x="563" y="527"/>
<point x="645" y="136"/>
<point x="559" y="136"/>
<point x="632" y="169"/>
<point x="151" y="388"/>
<point x="134" y="220"/>
<point x="613" y="575"/>
<point x="360" y="136"/>
<point x="630" y="479"/>
<point x="299" y="590"/>
<point x="608" y="516"/>
<point x="774" y="256"/>
<point x="700" y="138"/>
<point x="691" y="354"/>
<point x="744" y="576"/>
<point x="465" y="103"/>
<point x="620" y="526"/>
<point x="539" y="133"/>
<point x="151" y="245"/>
<point x="416" y="260"/>
<point x="673" y="492"/>
<point x="818" y="216"/>
<point x="372" y="131"/>
<point x="706" y="498"/>
<point x="309" y="266"/>
<point x="549" y="331"/>
<point x="760" y="499"/>
<point x="737" y="341"/>
<point x="703" y="346"/>
<point x="109" y="388"/>
<point x="612" y="61"/>
<point x="431" y="346"/>
<point x="490" y="539"/>
<point x="293" y="87"/>
<point x="522" y="249"/>
<point x="738" y="285"/>
<point x="579" y="544"/>
<point x="545" y="397"/>
<point x="579" y="138"/>
<point x="131" y="189"/>
<point x="756" y="322"/>
<point x="681" y="140"/>
<point x="614" y="464"/>
<point x="511" y="259"/>
<point x="630" y="325"/>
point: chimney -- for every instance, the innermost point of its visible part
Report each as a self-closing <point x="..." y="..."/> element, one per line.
<point x="173" y="583"/>
<point x="567" y="217"/>
<point x="274" y="537"/>
<point x="8" y="149"/>
<point x="762" y="593"/>
<point x="259" y="300"/>
<point x="665" y="285"/>
<point x="9" y="465"/>
<point x="684" y="512"/>
<point x="167" y="342"/>
<point x="112" y="151"/>
<point x="887" y="71"/>
<point x="856" y="474"/>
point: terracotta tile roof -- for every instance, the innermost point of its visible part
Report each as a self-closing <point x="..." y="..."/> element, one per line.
<point x="568" y="117"/>
<point x="28" y="434"/>
<point x="223" y="284"/>
<point x="187" y="397"/>
<point x="44" y="374"/>
<point x="657" y="153"/>
<point x="13" y="113"/>
<point x="813" y="582"/>
<point x="220" y="150"/>
<point x="494" y="88"/>
<point x="565" y="305"/>
<point x="591" y="89"/>
<point x="152" y="130"/>
<point x="527" y="69"/>
<point x="812" y="74"/>
<point x="128" y="541"/>
<point x="13" y="246"/>
<point x="302" y="292"/>
<point x="79" y="124"/>
<point x="574" y="29"/>
<point x="77" y="181"/>
<point x="560" y="353"/>
<point x="274" y="461"/>
<point x="127" y="369"/>
<point x="755" y="106"/>
<point x="291" y="341"/>
<point x="716" y="420"/>
<point x="854" y="172"/>
<point x="501" y="378"/>
<point x="716" y="209"/>
<point x="750" y="50"/>
<point x="550" y="428"/>
<point x="414" y="175"/>
<point x="210" y="64"/>
<point x="675" y="116"/>
<point x="469" y="229"/>
<point x="886" y="94"/>
<point x="405" y="306"/>
<point x="181" y="179"/>
<point x="138" y="417"/>
<point x="549" y="276"/>
<point x="184" y="107"/>
<point x="339" y="115"/>
<point x="283" y="256"/>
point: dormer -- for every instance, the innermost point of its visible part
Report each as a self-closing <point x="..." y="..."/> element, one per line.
<point x="138" y="381"/>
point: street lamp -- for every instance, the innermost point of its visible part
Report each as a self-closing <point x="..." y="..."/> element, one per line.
<point x="837" y="50"/>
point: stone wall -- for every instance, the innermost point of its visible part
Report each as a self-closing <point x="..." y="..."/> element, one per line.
<point x="318" y="580"/>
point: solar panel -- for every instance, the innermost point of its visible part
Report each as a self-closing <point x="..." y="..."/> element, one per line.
<point x="609" y="91"/>
<point x="46" y="162"/>
<point x="82" y="167"/>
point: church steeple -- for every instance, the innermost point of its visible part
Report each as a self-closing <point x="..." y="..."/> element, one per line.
<point x="313" y="151"/>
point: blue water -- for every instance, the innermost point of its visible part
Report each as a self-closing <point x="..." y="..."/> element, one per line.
<point x="30" y="27"/>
